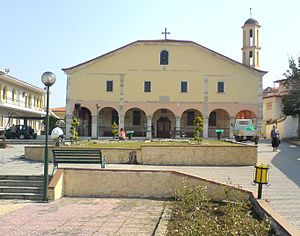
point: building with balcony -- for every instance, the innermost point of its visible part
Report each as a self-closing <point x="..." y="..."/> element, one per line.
<point x="20" y="103"/>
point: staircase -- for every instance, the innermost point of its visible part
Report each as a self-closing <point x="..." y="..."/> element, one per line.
<point x="25" y="187"/>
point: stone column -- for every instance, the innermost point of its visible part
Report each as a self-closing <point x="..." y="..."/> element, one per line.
<point x="94" y="126"/>
<point x="232" y="121"/>
<point x="121" y="102"/>
<point x="68" y="126"/>
<point x="121" y="121"/>
<point x="69" y="115"/>
<point x="177" y="127"/>
<point x="205" y="127"/>
<point x="149" y="127"/>
<point x="260" y="106"/>
<point x="205" y="109"/>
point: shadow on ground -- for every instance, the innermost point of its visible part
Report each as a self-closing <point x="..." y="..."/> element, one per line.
<point x="288" y="161"/>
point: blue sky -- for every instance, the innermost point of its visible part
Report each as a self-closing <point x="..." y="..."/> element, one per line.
<point x="39" y="35"/>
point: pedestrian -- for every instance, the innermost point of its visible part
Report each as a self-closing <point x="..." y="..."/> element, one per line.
<point x="122" y="134"/>
<point x="13" y="131"/>
<point x="57" y="136"/>
<point x="275" y="138"/>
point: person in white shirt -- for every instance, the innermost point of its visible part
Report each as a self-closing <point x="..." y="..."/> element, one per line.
<point x="57" y="136"/>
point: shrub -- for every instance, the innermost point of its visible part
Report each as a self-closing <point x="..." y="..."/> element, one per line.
<point x="73" y="130"/>
<point x="198" y="127"/>
<point x="115" y="130"/>
<point x="193" y="213"/>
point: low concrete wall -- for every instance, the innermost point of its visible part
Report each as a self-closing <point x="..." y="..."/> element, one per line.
<point x="56" y="186"/>
<point x="213" y="155"/>
<point x="132" y="183"/>
<point x="199" y="155"/>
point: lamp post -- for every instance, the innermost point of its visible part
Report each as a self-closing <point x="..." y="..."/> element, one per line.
<point x="48" y="79"/>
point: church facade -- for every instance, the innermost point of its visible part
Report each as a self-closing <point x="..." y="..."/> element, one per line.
<point x="157" y="87"/>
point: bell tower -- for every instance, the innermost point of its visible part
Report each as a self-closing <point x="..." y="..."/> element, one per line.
<point x="251" y="48"/>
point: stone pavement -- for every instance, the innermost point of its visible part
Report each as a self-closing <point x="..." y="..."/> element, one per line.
<point x="85" y="216"/>
<point x="283" y="193"/>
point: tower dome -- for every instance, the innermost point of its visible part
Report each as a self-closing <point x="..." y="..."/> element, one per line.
<point x="251" y="21"/>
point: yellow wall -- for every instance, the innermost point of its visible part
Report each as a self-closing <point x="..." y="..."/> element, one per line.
<point x="187" y="62"/>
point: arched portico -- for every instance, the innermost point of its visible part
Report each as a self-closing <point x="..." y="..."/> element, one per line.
<point x="218" y="119"/>
<point x="85" y="122"/>
<point x="187" y="122"/>
<point x="136" y="120"/>
<point x="163" y="121"/>
<point x="107" y="116"/>
<point x="246" y="114"/>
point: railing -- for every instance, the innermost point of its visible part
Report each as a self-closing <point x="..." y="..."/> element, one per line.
<point x="17" y="102"/>
<point x="106" y="131"/>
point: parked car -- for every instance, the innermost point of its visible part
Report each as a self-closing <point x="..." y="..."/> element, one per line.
<point x="23" y="132"/>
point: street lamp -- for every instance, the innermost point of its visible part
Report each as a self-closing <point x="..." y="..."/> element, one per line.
<point x="48" y="79"/>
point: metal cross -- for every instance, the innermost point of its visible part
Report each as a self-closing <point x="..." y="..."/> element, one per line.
<point x="165" y="33"/>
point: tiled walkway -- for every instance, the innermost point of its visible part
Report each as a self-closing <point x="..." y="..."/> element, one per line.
<point x="84" y="216"/>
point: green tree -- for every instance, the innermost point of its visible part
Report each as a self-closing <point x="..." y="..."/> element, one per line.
<point x="52" y="123"/>
<point x="291" y="101"/>
<point x="198" y="126"/>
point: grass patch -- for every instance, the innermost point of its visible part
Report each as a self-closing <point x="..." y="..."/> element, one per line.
<point x="137" y="144"/>
<point x="193" y="213"/>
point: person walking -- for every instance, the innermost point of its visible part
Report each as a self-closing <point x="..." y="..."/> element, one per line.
<point x="13" y="131"/>
<point x="275" y="138"/>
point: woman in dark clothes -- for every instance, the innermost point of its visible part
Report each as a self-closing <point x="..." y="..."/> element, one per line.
<point x="275" y="138"/>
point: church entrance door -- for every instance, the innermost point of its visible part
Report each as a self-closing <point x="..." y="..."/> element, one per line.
<point x="163" y="127"/>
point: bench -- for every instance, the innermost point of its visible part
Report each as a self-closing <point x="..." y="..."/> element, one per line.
<point x="78" y="156"/>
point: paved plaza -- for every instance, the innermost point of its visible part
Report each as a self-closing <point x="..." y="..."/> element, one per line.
<point x="84" y="216"/>
<point x="283" y="193"/>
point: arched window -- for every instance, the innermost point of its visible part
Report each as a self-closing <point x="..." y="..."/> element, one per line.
<point x="164" y="57"/>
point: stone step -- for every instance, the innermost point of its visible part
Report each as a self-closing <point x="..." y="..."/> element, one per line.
<point x="10" y="189"/>
<point x="22" y="196"/>
<point x="22" y="177"/>
<point x="21" y="183"/>
<point x="25" y="187"/>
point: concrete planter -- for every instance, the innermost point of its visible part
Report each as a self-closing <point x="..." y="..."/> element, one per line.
<point x="208" y="155"/>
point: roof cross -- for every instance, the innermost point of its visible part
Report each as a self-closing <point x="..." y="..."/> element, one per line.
<point x="165" y="33"/>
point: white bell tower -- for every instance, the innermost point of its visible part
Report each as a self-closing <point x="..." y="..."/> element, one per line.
<point x="251" y="48"/>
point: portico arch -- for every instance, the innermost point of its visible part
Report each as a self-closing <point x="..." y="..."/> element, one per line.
<point x="107" y="116"/>
<point x="136" y="120"/>
<point x="164" y="123"/>
<point x="187" y="119"/>
<point x="218" y="119"/>
<point x="246" y="114"/>
<point x="85" y="122"/>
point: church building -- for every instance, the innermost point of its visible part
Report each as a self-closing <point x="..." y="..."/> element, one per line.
<point x="156" y="88"/>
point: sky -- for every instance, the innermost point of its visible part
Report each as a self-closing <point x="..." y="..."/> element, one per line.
<point x="39" y="35"/>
